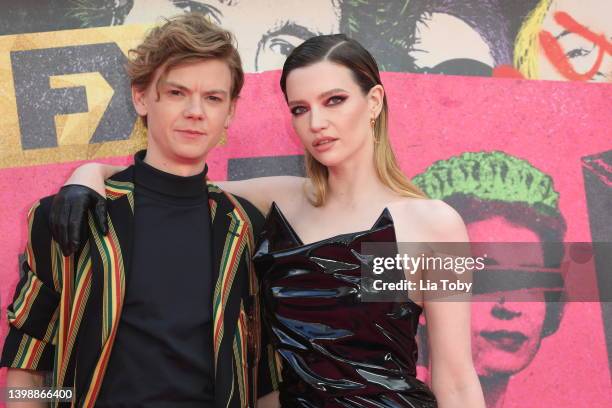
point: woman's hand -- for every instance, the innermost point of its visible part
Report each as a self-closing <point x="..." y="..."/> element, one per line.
<point x="68" y="216"/>
<point x="83" y="191"/>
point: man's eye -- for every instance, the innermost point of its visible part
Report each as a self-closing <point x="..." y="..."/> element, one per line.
<point x="175" y="92"/>
<point x="214" y="98"/>
<point x="298" y="110"/>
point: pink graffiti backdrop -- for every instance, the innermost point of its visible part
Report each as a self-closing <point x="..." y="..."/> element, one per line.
<point x="550" y="124"/>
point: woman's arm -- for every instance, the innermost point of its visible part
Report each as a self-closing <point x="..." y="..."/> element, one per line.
<point x="85" y="190"/>
<point x="262" y="191"/>
<point x="93" y="175"/>
<point x="453" y="377"/>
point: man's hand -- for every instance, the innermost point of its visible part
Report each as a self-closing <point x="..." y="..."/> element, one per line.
<point x="68" y="217"/>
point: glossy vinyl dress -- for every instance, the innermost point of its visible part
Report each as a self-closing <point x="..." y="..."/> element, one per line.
<point x="336" y="351"/>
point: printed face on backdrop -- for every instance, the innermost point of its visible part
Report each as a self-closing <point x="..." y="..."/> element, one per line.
<point x="442" y="37"/>
<point x="187" y="112"/>
<point x="266" y="30"/>
<point x="330" y="113"/>
<point x="579" y="52"/>
<point x="506" y="335"/>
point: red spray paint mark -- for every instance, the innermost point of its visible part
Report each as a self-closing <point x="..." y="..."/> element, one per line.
<point x="507" y="71"/>
<point x="556" y="55"/>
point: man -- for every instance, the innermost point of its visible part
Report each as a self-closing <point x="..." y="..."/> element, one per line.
<point x="505" y="200"/>
<point x="163" y="310"/>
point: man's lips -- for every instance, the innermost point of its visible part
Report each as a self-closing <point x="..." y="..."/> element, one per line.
<point x="506" y="340"/>
<point x="191" y="132"/>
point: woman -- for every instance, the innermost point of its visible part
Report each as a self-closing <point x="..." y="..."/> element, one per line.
<point x="337" y="351"/>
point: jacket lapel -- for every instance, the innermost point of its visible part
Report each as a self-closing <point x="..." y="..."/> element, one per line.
<point x="229" y="232"/>
<point x="110" y="257"/>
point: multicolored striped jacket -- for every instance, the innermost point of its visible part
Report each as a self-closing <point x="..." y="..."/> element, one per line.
<point x="66" y="310"/>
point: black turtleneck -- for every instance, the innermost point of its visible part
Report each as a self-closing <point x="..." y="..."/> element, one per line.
<point x="163" y="353"/>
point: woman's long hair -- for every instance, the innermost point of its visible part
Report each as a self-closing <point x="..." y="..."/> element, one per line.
<point x="340" y="49"/>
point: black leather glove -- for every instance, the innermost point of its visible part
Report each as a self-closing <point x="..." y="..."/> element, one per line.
<point x="68" y="217"/>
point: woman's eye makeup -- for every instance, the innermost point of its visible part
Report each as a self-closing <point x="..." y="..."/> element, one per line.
<point x="298" y="110"/>
<point x="331" y="101"/>
<point x="335" y="100"/>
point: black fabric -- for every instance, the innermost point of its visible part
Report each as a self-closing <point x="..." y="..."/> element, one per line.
<point x="337" y="351"/>
<point x="163" y="353"/>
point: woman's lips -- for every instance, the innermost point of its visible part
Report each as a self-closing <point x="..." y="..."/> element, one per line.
<point x="510" y="341"/>
<point x="323" y="144"/>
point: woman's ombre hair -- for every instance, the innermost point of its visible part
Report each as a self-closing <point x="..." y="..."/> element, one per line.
<point x="341" y="50"/>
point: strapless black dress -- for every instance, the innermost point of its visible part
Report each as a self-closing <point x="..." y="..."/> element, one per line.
<point x="336" y="350"/>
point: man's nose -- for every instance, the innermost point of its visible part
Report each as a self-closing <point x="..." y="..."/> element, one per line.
<point x="195" y="108"/>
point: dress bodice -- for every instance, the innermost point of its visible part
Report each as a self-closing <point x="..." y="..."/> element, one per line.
<point x="336" y="350"/>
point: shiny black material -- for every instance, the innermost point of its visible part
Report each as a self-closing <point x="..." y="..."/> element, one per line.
<point x="336" y="350"/>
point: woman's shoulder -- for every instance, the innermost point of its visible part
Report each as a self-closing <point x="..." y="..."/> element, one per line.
<point x="433" y="220"/>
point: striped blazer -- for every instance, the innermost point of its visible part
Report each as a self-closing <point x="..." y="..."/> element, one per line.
<point x="66" y="310"/>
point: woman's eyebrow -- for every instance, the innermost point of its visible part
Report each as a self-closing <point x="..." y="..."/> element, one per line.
<point x="331" y="92"/>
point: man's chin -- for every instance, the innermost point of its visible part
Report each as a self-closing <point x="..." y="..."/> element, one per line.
<point x="191" y="155"/>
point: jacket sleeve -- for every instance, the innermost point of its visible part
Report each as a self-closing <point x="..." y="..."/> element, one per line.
<point x="269" y="376"/>
<point x="268" y="369"/>
<point x="33" y="315"/>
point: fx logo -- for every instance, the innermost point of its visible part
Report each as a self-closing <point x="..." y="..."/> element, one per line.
<point x="67" y="96"/>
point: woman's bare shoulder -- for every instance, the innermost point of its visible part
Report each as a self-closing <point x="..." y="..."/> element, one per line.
<point x="435" y="220"/>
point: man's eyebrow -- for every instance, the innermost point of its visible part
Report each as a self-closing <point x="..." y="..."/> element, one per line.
<point x="175" y="85"/>
<point x="216" y="91"/>
<point x="184" y="88"/>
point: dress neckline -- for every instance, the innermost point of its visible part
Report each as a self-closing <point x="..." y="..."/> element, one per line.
<point x="384" y="219"/>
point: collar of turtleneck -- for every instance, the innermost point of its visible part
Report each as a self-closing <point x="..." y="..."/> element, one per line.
<point x="166" y="184"/>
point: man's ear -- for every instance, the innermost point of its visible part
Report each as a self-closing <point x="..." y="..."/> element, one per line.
<point x="230" y="115"/>
<point x="376" y="96"/>
<point x="138" y="96"/>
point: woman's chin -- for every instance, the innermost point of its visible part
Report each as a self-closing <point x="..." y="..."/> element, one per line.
<point x="328" y="159"/>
